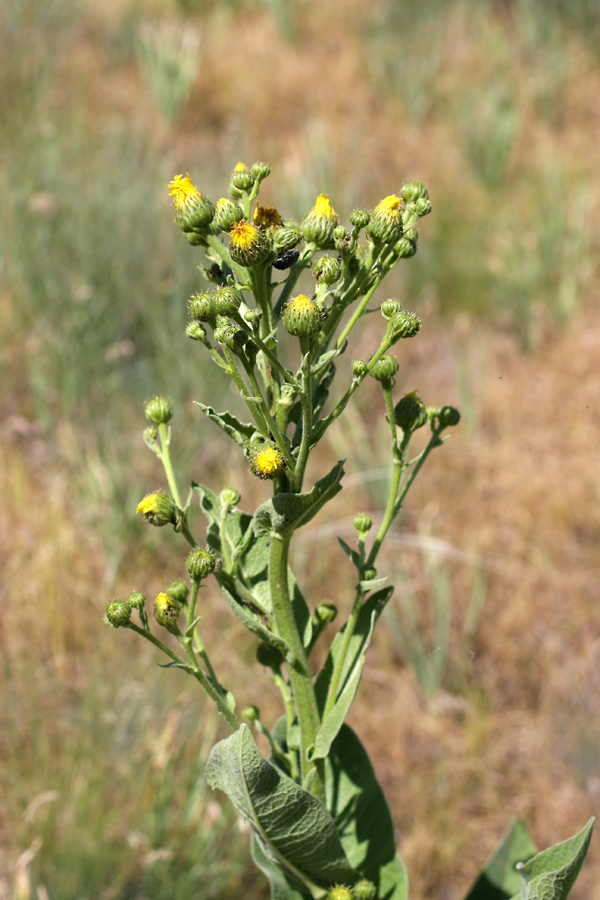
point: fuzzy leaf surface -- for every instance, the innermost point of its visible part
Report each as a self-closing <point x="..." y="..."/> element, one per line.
<point x="551" y="874"/>
<point x="499" y="879"/>
<point x="240" y="432"/>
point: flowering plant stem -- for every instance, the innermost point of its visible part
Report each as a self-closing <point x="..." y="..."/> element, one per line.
<point x="320" y="824"/>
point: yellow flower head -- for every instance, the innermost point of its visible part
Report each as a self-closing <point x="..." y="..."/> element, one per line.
<point x="267" y="463"/>
<point x="244" y="235"/>
<point x="240" y="167"/>
<point x="302" y="317"/>
<point x="266" y="216"/>
<point x="324" y="209"/>
<point x="390" y="207"/>
<point x="385" y="226"/>
<point x="166" y="611"/>
<point x="249" y="246"/>
<point x="183" y="191"/>
<point x="158" y="509"/>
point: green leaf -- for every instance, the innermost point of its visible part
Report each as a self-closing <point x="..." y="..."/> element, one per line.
<point x="240" y="432"/>
<point x="551" y="874"/>
<point x="499" y="879"/>
<point x="362" y="817"/>
<point x="351" y="671"/>
<point x="353" y="555"/>
<point x="283" y="885"/>
<point x="287" y="512"/>
<point x="292" y="828"/>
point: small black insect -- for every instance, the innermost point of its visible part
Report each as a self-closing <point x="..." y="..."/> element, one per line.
<point x="286" y="259"/>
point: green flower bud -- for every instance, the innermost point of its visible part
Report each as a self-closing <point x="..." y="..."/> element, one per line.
<point x="195" y="331"/>
<point x="364" y="890"/>
<point x="158" y="509"/>
<point x="195" y="239"/>
<point x="340" y="892"/>
<point x="269" y="656"/>
<point x="422" y="206"/>
<point x="385" y="226"/>
<point x="226" y="213"/>
<point x="137" y="600"/>
<point x="405" y="325"/>
<point x="384" y="369"/>
<point x="325" y="613"/>
<point x="252" y="317"/>
<point x="413" y="190"/>
<point x="410" y="412"/>
<point x="267" y="461"/>
<point x="320" y="223"/>
<point x="166" y="611"/>
<point x="360" y="218"/>
<point x="178" y="591"/>
<point x="389" y="308"/>
<point x="405" y="248"/>
<point x="231" y="336"/>
<point x="241" y="180"/>
<point x="118" y="613"/>
<point x="359" y="368"/>
<point x="229" y="497"/>
<point x="251" y="714"/>
<point x="448" y="416"/>
<point x="192" y="209"/>
<point x="327" y="269"/>
<point x="226" y="301"/>
<point x="249" y="245"/>
<point x="287" y="237"/>
<point x="261" y="170"/>
<point x="201" y="563"/>
<point x="159" y="410"/>
<point x="201" y="307"/>
<point x="369" y="573"/>
<point x="362" y="523"/>
<point x="302" y="317"/>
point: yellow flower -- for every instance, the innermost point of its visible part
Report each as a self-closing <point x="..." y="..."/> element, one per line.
<point x="249" y="246"/>
<point x="323" y="208"/>
<point x="183" y="191"/>
<point x="320" y="223"/>
<point x="385" y="226"/>
<point x="389" y="206"/>
<point x="266" y="216"/>
<point x="267" y="462"/>
<point x="158" y="509"/>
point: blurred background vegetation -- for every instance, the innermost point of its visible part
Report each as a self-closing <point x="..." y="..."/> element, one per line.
<point x="488" y="670"/>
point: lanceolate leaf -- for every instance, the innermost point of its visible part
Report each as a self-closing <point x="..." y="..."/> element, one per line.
<point x="292" y="828"/>
<point x="499" y="879"/>
<point x="362" y="817"/>
<point x="240" y="432"/>
<point x="286" y="512"/>
<point x="551" y="874"/>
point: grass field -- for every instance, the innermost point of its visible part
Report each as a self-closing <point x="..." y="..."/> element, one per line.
<point x="494" y="106"/>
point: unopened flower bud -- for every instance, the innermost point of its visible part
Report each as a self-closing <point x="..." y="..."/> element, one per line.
<point x="389" y="308"/>
<point x="269" y="656"/>
<point x="267" y="462"/>
<point x="320" y="223"/>
<point x="360" y="218"/>
<point x="369" y="573"/>
<point x="448" y="416"/>
<point x="364" y="890"/>
<point x="137" y="600"/>
<point x="252" y="317"/>
<point x="195" y="331"/>
<point x="422" y="206"/>
<point x="412" y="191"/>
<point x="226" y="301"/>
<point x="192" y="209"/>
<point x="340" y="892"/>
<point x="405" y="248"/>
<point x="118" y="613"/>
<point x="302" y="317"/>
<point x="249" y="245"/>
<point x="178" y="591"/>
<point x="384" y="369"/>
<point x="362" y="523"/>
<point x="241" y="180"/>
<point x="229" y="497"/>
<point x="266" y="217"/>
<point x="159" y="410"/>
<point x="325" y="613"/>
<point x="410" y="412"/>
<point x="327" y="269"/>
<point x="261" y="170"/>
<point x="405" y="325"/>
<point x="195" y="239"/>
<point x="226" y="213"/>
<point x="201" y="307"/>
<point x="166" y="611"/>
<point x="251" y="714"/>
<point x="287" y="237"/>
<point x="158" y="509"/>
<point x="201" y="563"/>
<point x="385" y="226"/>
<point x="231" y="336"/>
<point x="359" y="368"/>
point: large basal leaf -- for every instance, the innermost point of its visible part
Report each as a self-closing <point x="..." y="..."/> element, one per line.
<point x="286" y="512"/>
<point x="351" y="672"/>
<point x="499" y="879"/>
<point x="362" y="817"/>
<point x="293" y="829"/>
<point x="551" y="874"/>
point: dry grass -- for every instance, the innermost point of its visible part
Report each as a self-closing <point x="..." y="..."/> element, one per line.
<point x="516" y="488"/>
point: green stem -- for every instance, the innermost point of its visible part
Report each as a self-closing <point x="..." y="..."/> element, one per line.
<point x="300" y="678"/>
<point x="281" y="442"/>
<point x="165" y="439"/>
<point x="307" y="415"/>
<point x="340" y="662"/>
